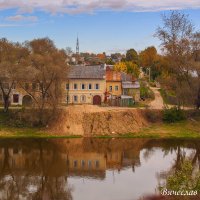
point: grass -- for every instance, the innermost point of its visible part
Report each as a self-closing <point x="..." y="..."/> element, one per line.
<point x="185" y="129"/>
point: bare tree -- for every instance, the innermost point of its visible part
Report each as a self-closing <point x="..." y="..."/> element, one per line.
<point x="12" y="56"/>
<point x="44" y="76"/>
<point x="179" y="44"/>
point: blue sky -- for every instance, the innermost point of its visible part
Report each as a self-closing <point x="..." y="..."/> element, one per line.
<point x="110" y="26"/>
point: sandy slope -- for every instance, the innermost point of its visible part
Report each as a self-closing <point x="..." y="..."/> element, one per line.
<point x="87" y="120"/>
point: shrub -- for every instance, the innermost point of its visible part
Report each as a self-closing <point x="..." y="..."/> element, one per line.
<point x="174" y="114"/>
<point x="153" y="116"/>
<point x="146" y="92"/>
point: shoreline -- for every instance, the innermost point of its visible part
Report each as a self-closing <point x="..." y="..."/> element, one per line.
<point x="185" y="129"/>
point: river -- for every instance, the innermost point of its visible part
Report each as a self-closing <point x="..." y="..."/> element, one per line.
<point x="89" y="168"/>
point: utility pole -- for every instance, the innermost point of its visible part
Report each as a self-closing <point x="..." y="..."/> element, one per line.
<point x="77" y="46"/>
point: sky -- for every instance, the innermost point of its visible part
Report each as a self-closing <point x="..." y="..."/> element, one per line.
<point x="101" y="25"/>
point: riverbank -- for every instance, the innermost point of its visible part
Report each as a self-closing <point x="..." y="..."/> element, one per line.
<point x="102" y="122"/>
<point x="185" y="129"/>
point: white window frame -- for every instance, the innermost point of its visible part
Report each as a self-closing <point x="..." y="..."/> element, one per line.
<point x="76" y="86"/>
<point x="74" y="98"/>
<point x="82" y="86"/>
<point x="67" y="88"/>
<point x="89" y="86"/>
<point x="116" y="86"/>
<point x="68" y="98"/>
<point x="83" y="100"/>
<point x="110" y="88"/>
<point x="96" y="86"/>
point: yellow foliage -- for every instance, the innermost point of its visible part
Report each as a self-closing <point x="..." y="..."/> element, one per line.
<point x="120" y="67"/>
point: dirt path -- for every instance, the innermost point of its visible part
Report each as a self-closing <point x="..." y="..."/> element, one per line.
<point x="157" y="103"/>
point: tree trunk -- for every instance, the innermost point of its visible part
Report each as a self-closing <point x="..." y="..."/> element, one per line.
<point x="198" y="99"/>
<point x="6" y="103"/>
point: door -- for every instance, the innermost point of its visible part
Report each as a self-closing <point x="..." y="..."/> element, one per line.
<point x="97" y="100"/>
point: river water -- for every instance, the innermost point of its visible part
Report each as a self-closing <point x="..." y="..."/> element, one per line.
<point x="88" y="168"/>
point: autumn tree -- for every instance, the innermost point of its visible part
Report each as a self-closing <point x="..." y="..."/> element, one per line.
<point x="179" y="44"/>
<point x="128" y="67"/>
<point x="12" y="57"/>
<point x="120" y="67"/>
<point x="44" y="76"/>
<point x="132" y="56"/>
<point x="150" y="60"/>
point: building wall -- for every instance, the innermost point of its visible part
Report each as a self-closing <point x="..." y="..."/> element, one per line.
<point x="15" y="91"/>
<point x="114" y="84"/>
<point x="135" y="93"/>
<point x="84" y="96"/>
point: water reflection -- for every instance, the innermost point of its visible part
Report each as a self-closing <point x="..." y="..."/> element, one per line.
<point x="109" y="169"/>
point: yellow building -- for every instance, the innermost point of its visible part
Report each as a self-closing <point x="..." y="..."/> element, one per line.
<point x="113" y="84"/>
<point x="18" y="95"/>
<point x="86" y="85"/>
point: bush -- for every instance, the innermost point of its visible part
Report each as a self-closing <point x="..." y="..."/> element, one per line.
<point x="153" y="116"/>
<point x="174" y="114"/>
<point x="146" y="92"/>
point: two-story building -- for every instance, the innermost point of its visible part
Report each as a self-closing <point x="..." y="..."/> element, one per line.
<point x="130" y="87"/>
<point x="113" y="83"/>
<point x="86" y="85"/>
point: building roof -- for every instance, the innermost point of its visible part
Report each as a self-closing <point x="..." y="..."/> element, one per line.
<point x="127" y="77"/>
<point x="130" y="85"/>
<point x="87" y="72"/>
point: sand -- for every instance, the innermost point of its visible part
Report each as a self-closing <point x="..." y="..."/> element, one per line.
<point x="89" y="120"/>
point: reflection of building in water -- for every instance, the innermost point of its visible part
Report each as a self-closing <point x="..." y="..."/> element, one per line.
<point x="85" y="161"/>
<point x="114" y="160"/>
<point x="73" y="162"/>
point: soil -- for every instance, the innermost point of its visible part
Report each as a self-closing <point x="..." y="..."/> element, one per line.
<point x="157" y="103"/>
<point x="89" y="120"/>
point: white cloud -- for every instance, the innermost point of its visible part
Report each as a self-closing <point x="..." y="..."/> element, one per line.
<point x="9" y="25"/>
<point x="22" y="18"/>
<point x="90" y="6"/>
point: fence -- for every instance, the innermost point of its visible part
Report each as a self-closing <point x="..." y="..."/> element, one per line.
<point x="121" y="102"/>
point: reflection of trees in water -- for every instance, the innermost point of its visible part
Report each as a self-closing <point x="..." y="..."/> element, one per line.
<point x="38" y="169"/>
<point x="33" y="176"/>
<point x="184" y="174"/>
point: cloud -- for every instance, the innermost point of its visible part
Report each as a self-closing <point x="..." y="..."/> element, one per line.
<point x="91" y="6"/>
<point x="22" y="18"/>
<point x="9" y="25"/>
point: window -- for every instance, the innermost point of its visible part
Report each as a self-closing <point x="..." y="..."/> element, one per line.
<point x="90" y="86"/>
<point x="97" y="164"/>
<point x="83" y="98"/>
<point x="41" y="86"/>
<point x="75" y="98"/>
<point x="83" y="86"/>
<point x="116" y="88"/>
<point x="68" y="99"/>
<point x="75" y="163"/>
<point x="97" y="86"/>
<point x="89" y="163"/>
<point x="110" y="88"/>
<point x="26" y="86"/>
<point x="82" y="163"/>
<point x="14" y="86"/>
<point x="15" y="98"/>
<point x="67" y="86"/>
<point x="75" y="86"/>
<point x="34" y="86"/>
